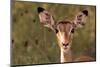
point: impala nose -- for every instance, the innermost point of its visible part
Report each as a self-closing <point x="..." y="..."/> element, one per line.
<point x="65" y="44"/>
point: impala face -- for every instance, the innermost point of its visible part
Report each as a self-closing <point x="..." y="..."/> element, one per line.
<point x="64" y="34"/>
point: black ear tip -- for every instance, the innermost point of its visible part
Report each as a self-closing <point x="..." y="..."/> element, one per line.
<point x="40" y="9"/>
<point x="85" y="12"/>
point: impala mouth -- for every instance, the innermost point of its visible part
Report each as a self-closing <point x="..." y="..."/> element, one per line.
<point x="65" y="46"/>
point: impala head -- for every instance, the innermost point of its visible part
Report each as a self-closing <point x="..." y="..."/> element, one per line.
<point x="63" y="29"/>
<point x="64" y="32"/>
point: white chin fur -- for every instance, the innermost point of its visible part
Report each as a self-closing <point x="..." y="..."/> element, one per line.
<point x="66" y="49"/>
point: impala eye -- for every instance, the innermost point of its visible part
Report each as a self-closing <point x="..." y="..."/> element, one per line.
<point x="72" y="31"/>
<point x="56" y="31"/>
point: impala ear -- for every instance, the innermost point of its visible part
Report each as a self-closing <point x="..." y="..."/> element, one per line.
<point x="80" y="19"/>
<point x="85" y="12"/>
<point x="40" y="9"/>
<point x="45" y="17"/>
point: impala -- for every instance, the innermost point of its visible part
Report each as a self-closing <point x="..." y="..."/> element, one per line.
<point x="64" y="31"/>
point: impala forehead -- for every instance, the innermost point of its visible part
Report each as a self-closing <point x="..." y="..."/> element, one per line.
<point x="64" y="27"/>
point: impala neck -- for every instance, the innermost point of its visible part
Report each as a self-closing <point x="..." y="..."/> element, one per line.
<point x="66" y="56"/>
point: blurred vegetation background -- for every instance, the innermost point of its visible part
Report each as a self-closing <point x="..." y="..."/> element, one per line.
<point x="34" y="44"/>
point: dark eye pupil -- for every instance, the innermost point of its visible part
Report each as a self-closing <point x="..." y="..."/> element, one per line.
<point x="72" y="31"/>
<point x="56" y="30"/>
